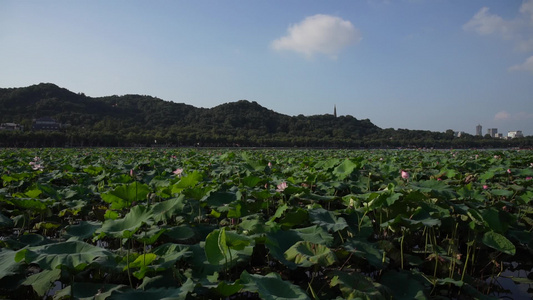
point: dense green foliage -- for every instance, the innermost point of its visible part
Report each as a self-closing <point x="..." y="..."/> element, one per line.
<point x="134" y="120"/>
<point x="270" y="224"/>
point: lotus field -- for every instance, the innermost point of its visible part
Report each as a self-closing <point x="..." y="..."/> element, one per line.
<point x="265" y="224"/>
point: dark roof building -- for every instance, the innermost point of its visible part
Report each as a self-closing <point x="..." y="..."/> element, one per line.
<point x="46" y="123"/>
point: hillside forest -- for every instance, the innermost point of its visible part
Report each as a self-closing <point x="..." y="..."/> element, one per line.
<point x="140" y="121"/>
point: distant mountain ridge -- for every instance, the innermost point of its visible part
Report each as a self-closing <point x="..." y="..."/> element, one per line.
<point x="140" y="120"/>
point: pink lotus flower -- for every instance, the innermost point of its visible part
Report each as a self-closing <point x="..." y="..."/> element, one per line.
<point x="178" y="172"/>
<point x="270" y="165"/>
<point x="281" y="187"/>
<point x="529" y="178"/>
<point x="132" y="173"/>
<point x="37" y="164"/>
<point x="485" y="187"/>
<point x="509" y="171"/>
<point x="404" y="174"/>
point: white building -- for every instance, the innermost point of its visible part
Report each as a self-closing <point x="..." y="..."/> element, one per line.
<point x="11" y="126"/>
<point x="514" y="134"/>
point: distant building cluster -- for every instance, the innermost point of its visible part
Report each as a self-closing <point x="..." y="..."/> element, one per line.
<point x="515" y="134"/>
<point x="493" y="132"/>
<point x="45" y="123"/>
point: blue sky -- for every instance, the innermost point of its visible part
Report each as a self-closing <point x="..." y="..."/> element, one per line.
<point x="415" y="64"/>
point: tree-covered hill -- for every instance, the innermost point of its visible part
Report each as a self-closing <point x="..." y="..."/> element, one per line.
<point x="139" y="120"/>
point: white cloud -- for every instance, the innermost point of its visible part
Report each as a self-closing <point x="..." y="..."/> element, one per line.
<point x="502" y="115"/>
<point x="322" y="34"/>
<point x="505" y="116"/>
<point x="526" y="66"/>
<point x="527" y="8"/>
<point x="485" y="23"/>
<point x="518" y="29"/>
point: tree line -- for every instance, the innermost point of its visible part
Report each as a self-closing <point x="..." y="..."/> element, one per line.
<point x="140" y="120"/>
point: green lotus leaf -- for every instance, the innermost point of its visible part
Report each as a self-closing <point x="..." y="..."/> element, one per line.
<point x="345" y="169"/>
<point x="500" y="192"/>
<point x="127" y="226"/>
<point x="294" y="217"/>
<point x="83" y="230"/>
<point x="357" y="286"/>
<point x="271" y="287"/>
<point x="88" y="291"/>
<point x="306" y="254"/>
<point x="74" y="255"/>
<point x="74" y="207"/>
<point x="31" y="204"/>
<point x="142" y="260"/>
<point x="45" y="226"/>
<point x="169" y="254"/>
<point x="226" y="289"/>
<point x="48" y="191"/>
<point x="111" y="215"/>
<point x="253" y="164"/>
<point x="526" y="197"/>
<point x="369" y="251"/>
<point x="5" y="221"/>
<point x="8" y="265"/>
<point x="167" y="210"/>
<point x="117" y="178"/>
<point x="124" y="195"/>
<point x="179" y="233"/>
<point x="158" y="293"/>
<point x="224" y="247"/>
<point x="448" y="280"/>
<point x="42" y="281"/>
<point x="487" y="175"/>
<point x="186" y="182"/>
<point x="327" y="219"/>
<point x="280" y="241"/>
<point x="151" y="236"/>
<point x="218" y="198"/>
<point x="251" y="181"/>
<point x="491" y="217"/>
<point x="328" y="164"/>
<point x="93" y="170"/>
<point x="498" y="242"/>
<point x="279" y="212"/>
<point x="404" y="285"/>
<point x="34" y="193"/>
<point x="261" y="195"/>
<point x="434" y="187"/>
<point x="253" y="224"/>
<point x="164" y="279"/>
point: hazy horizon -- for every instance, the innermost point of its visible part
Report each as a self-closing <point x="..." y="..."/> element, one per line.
<point x="414" y="64"/>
